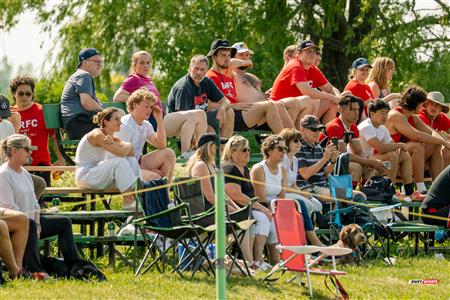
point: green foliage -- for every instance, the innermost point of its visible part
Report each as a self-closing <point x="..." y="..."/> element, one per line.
<point x="174" y="31"/>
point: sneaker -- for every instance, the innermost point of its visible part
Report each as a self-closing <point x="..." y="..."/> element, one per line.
<point x="187" y="154"/>
<point x="417" y="197"/>
<point x="40" y="276"/>
<point x="263" y="266"/>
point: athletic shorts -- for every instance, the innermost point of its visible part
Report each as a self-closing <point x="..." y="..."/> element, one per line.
<point x="264" y="126"/>
<point x="239" y="123"/>
<point x="443" y="212"/>
<point x="211" y="117"/>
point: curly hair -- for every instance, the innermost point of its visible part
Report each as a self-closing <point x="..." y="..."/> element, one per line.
<point x="20" y="80"/>
<point x="270" y="143"/>
<point x="412" y="97"/>
<point x="139" y="95"/>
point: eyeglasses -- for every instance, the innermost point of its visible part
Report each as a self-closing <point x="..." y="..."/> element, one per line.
<point x="314" y="129"/>
<point x="98" y="62"/>
<point x="296" y="141"/>
<point x="281" y="148"/>
<point x="21" y="94"/>
<point x="28" y="149"/>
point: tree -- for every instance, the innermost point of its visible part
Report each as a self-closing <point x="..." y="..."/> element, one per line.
<point x="174" y="31"/>
<point x="6" y="73"/>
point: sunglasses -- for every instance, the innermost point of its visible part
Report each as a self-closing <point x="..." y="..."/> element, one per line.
<point x="98" y="62"/>
<point x="315" y="129"/>
<point x="245" y="150"/>
<point x="28" y="149"/>
<point x="296" y="141"/>
<point x="281" y="148"/>
<point x="21" y="94"/>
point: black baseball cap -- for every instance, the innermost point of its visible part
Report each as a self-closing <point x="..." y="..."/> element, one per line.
<point x="5" y="111"/>
<point x="85" y="54"/>
<point x="221" y="44"/>
<point x="209" y="137"/>
<point x="361" y="63"/>
<point x="311" y="122"/>
<point x="306" y="45"/>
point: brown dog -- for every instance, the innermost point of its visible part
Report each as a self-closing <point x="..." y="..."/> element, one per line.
<point x="351" y="236"/>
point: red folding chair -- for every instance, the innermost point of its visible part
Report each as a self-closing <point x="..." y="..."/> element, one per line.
<point x="292" y="243"/>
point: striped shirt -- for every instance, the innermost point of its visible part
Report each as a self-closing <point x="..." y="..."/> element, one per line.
<point x="307" y="156"/>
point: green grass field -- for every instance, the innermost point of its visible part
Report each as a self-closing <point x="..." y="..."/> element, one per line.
<point x="372" y="280"/>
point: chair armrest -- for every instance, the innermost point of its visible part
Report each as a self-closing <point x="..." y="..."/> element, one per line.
<point x="162" y="213"/>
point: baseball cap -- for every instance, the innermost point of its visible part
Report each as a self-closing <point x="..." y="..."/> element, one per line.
<point x="438" y="98"/>
<point x="306" y="45"/>
<point x="361" y="63"/>
<point x="242" y="47"/>
<point x="85" y="54"/>
<point x="310" y="121"/>
<point x="5" y="111"/>
<point x="209" y="137"/>
<point x="221" y="44"/>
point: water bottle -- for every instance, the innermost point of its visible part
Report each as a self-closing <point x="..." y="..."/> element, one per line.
<point x="111" y="229"/>
<point x="439" y="236"/>
<point x="56" y="202"/>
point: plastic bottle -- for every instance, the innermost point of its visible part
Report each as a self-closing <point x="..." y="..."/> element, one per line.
<point x="111" y="229"/>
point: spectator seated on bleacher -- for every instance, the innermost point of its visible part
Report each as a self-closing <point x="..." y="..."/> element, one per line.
<point x="423" y="143"/>
<point x="17" y="193"/>
<point x="97" y="171"/>
<point x="380" y="75"/>
<point x="249" y="90"/>
<point x="33" y="124"/>
<point x="437" y="200"/>
<point x="262" y="114"/>
<point x="434" y="114"/>
<point x="345" y="130"/>
<point x="137" y="130"/>
<point x="79" y="102"/>
<point x="293" y="140"/>
<point x="188" y="125"/>
<point x="300" y="77"/>
<point x="316" y="162"/>
<point x="377" y="143"/>
<point x="13" y="240"/>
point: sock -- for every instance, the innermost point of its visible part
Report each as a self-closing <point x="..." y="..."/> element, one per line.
<point x="421" y="187"/>
<point x="409" y="189"/>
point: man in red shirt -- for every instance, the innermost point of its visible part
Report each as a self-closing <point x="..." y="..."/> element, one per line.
<point x="32" y="123"/>
<point x="301" y="77"/>
<point x="246" y="115"/>
<point x="345" y="130"/>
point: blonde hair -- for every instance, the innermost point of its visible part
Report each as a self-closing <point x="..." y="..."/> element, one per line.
<point x="13" y="141"/>
<point x="201" y="154"/>
<point x="105" y="114"/>
<point x="135" y="58"/>
<point x="380" y="67"/>
<point x="234" y="143"/>
<point x="290" y="50"/>
<point x="351" y="73"/>
<point x="139" y="96"/>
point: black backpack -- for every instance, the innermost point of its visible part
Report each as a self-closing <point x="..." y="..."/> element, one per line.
<point x="379" y="189"/>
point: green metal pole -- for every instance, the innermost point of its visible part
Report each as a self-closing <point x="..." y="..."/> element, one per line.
<point x="221" y="276"/>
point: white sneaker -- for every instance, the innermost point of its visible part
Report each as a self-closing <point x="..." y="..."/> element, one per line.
<point x="187" y="154"/>
<point x="263" y="266"/>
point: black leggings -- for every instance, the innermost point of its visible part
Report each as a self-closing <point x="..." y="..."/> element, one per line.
<point x="50" y="225"/>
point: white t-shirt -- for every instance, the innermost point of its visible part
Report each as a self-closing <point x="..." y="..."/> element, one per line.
<point x="135" y="134"/>
<point x="6" y="129"/>
<point x="17" y="191"/>
<point x="367" y="132"/>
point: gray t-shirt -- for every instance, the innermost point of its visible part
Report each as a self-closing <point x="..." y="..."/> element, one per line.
<point x="17" y="191"/>
<point x="80" y="82"/>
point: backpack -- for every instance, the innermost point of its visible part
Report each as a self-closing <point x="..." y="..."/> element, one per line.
<point x="379" y="189"/>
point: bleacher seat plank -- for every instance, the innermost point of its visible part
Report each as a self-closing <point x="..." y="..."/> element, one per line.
<point x="78" y="190"/>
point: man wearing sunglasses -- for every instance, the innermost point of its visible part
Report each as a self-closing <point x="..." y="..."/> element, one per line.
<point x="32" y="124"/>
<point x="79" y="102"/>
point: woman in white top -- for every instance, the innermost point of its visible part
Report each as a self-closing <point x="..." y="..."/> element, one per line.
<point x="17" y="193"/>
<point x="269" y="183"/>
<point x="94" y="171"/>
<point x="292" y="138"/>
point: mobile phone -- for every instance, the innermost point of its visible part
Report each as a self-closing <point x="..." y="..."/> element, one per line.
<point x="334" y="140"/>
<point x="387" y="165"/>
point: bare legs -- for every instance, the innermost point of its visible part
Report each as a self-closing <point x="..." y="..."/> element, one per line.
<point x="263" y="112"/>
<point x="296" y="108"/>
<point x="327" y="111"/>
<point x="157" y="164"/>
<point x="188" y="125"/>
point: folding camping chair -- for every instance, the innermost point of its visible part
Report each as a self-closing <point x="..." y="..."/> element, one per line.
<point x="189" y="192"/>
<point x="163" y="219"/>
<point x="292" y="243"/>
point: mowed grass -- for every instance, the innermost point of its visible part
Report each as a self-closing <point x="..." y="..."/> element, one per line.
<point x="373" y="280"/>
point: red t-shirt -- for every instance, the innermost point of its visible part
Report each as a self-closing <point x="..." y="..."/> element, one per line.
<point x="225" y="84"/>
<point x="440" y="123"/>
<point x="336" y="128"/>
<point x="359" y="90"/>
<point x="294" y="72"/>
<point x="32" y="124"/>
<point x="398" y="137"/>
